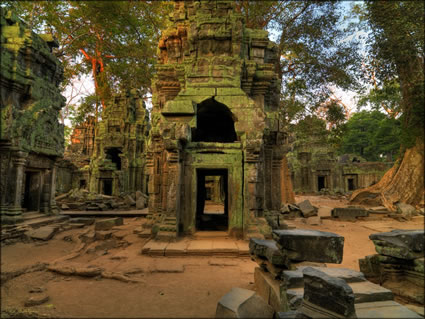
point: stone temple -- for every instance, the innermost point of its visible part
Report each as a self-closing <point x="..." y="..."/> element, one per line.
<point x="31" y="138"/>
<point x="215" y="118"/>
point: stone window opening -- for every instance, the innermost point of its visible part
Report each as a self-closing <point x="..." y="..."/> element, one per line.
<point x="83" y="184"/>
<point x="113" y="154"/>
<point x="212" y="200"/>
<point x="214" y="123"/>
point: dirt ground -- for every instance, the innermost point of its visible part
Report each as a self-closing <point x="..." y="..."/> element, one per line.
<point x="145" y="286"/>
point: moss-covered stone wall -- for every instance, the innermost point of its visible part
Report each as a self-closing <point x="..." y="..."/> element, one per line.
<point x="31" y="137"/>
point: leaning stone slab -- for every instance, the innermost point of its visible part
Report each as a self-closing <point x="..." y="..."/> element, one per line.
<point x="307" y="209"/>
<point x="243" y="303"/>
<point x="326" y="296"/>
<point x="310" y="245"/>
<point x="349" y="212"/>
<point x="106" y="224"/>
<point x="384" y="309"/>
<point x="405" y="244"/>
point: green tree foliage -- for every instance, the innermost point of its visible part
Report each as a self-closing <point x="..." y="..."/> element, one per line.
<point x="317" y="52"/>
<point x="372" y="135"/>
<point x="114" y="41"/>
<point x="396" y="51"/>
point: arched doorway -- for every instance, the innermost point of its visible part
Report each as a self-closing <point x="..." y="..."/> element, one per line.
<point x="214" y="123"/>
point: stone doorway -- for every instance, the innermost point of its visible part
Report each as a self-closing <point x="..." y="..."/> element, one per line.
<point x="321" y="182"/>
<point x="212" y="200"/>
<point x="107" y="186"/>
<point x="32" y="191"/>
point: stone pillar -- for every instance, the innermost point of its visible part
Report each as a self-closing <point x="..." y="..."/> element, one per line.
<point x="15" y="209"/>
<point x="52" y="190"/>
<point x="4" y="173"/>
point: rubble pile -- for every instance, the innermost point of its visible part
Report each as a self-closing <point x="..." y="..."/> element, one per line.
<point x="292" y="279"/>
<point x="398" y="264"/>
<point x="82" y="199"/>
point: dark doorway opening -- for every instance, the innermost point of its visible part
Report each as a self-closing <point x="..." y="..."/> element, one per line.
<point x="214" y="123"/>
<point x="321" y="182"/>
<point x="351" y="186"/>
<point x="82" y="183"/>
<point x="107" y="186"/>
<point x="113" y="154"/>
<point x="32" y="191"/>
<point x="212" y="214"/>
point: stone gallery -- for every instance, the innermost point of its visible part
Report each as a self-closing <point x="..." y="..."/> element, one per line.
<point x="31" y="138"/>
<point x="215" y="114"/>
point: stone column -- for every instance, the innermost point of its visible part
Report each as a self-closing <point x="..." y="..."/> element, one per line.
<point x="19" y="162"/>
<point x="52" y="202"/>
<point x="4" y="173"/>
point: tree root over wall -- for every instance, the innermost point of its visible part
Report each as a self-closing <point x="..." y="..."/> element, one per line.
<point x="403" y="183"/>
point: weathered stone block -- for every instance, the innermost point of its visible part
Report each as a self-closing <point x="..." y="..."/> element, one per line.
<point x="243" y="303"/>
<point x="43" y="233"/>
<point x="406" y="210"/>
<point x="326" y="295"/>
<point x="349" y="212"/>
<point x="307" y="209"/>
<point x="405" y="244"/>
<point x="310" y="245"/>
<point x="384" y="309"/>
<point x="107" y="224"/>
<point x="271" y="290"/>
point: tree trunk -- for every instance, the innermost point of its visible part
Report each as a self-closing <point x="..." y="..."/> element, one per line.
<point x="403" y="183"/>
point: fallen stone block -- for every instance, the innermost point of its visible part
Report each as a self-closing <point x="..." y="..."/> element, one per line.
<point x="404" y="244"/>
<point x="349" y="213"/>
<point x="141" y="203"/>
<point x="271" y="290"/>
<point x="307" y="209"/>
<point x="82" y="220"/>
<point x="367" y="292"/>
<point x="43" y="233"/>
<point x="405" y="210"/>
<point x="243" y="303"/>
<point x="314" y="220"/>
<point x="324" y="212"/>
<point x="267" y="249"/>
<point x="36" y="300"/>
<point x="129" y="200"/>
<point x="106" y="224"/>
<point x="384" y="309"/>
<point x="294" y="278"/>
<point x="291" y="314"/>
<point x="326" y="296"/>
<point x="310" y="245"/>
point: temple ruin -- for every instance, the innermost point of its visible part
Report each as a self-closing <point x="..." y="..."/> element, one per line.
<point x="215" y="117"/>
<point x="315" y="167"/>
<point x="117" y="164"/>
<point x="31" y="138"/>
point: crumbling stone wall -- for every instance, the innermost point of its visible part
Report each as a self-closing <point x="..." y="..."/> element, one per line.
<point x="118" y="161"/>
<point x="31" y="138"/>
<point x="215" y="111"/>
<point x="315" y="166"/>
